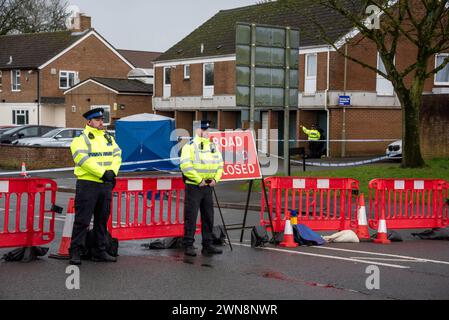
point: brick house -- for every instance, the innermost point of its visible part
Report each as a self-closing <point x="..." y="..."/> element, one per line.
<point x="195" y="79"/>
<point x="36" y="69"/>
<point x="119" y="97"/>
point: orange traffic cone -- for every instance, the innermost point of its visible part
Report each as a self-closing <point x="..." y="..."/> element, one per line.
<point x="64" y="246"/>
<point x="362" y="227"/>
<point x="382" y="236"/>
<point x="23" y="171"/>
<point x="289" y="241"/>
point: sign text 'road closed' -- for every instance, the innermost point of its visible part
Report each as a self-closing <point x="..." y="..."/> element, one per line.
<point x="239" y="154"/>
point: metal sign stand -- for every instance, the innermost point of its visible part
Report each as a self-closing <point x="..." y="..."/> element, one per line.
<point x="251" y="182"/>
<point x="222" y="219"/>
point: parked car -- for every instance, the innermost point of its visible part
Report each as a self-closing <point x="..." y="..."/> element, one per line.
<point x="26" y="131"/>
<point x="61" y="137"/>
<point x="6" y="128"/>
<point x="394" y="150"/>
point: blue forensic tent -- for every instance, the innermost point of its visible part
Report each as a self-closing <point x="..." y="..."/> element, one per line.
<point x="144" y="137"/>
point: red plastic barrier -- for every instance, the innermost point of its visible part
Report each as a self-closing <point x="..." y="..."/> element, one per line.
<point x="409" y="203"/>
<point x="147" y="208"/>
<point x="322" y="203"/>
<point x="22" y="212"/>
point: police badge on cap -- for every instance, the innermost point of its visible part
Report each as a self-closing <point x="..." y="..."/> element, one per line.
<point x="94" y="113"/>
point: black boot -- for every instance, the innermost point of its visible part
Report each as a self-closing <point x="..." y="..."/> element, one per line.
<point x="209" y="250"/>
<point x="75" y="257"/>
<point x="103" y="256"/>
<point x="190" y="251"/>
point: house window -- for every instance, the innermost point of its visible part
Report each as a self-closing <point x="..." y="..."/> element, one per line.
<point x="15" y="80"/>
<point x="167" y="80"/>
<point x="208" y="76"/>
<point x="384" y="87"/>
<point x="442" y="77"/>
<point x="106" y="115"/>
<point x="20" y="117"/>
<point x="310" y="74"/>
<point x="167" y="83"/>
<point x="67" y="79"/>
<point x="1" y="77"/>
<point x="187" y="71"/>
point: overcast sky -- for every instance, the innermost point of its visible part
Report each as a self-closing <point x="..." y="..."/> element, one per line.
<point x="151" y="25"/>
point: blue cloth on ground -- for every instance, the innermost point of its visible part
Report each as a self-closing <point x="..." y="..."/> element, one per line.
<point x="306" y="236"/>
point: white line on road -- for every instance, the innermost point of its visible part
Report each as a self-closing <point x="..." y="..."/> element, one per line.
<point x="385" y="255"/>
<point x="326" y="256"/>
<point x="387" y="259"/>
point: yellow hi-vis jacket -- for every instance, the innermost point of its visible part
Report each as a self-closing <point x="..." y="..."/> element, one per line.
<point x="201" y="160"/>
<point x="93" y="154"/>
<point x="314" y="135"/>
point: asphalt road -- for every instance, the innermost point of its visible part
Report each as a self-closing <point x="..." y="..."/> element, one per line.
<point x="412" y="269"/>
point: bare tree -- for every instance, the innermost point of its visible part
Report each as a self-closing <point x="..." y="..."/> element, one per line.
<point x="422" y="25"/>
<point x="31" y="16"/>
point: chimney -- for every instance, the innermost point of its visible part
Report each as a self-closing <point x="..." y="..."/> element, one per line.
<point x="80" y="23"/>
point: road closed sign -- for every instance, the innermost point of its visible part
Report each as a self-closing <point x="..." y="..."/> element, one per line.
<point x="239" y="152"/>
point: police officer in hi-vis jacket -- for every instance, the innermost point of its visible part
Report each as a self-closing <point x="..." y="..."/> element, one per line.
<point x="97" y="160"/>
<point x="202" y="167"/>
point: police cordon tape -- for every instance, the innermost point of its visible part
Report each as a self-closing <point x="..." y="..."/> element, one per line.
<point x="308" y="163"/>
<point x="72" y="168"/>
<point x="330" y="164"/>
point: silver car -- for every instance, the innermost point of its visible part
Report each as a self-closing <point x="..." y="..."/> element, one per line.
<point x="61" y="137"/>
<point x="394" y="150"/>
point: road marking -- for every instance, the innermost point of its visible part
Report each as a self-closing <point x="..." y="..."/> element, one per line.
<point x="387" y="259"/>
<point x="385" y="255"/>
<point x="326" y="256"/>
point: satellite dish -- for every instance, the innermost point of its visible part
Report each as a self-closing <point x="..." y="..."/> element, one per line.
<point x="72" y="11"/>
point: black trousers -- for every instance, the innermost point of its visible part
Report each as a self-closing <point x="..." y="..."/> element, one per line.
<point x="198" y="198"/>
<point x="92" y="198"/>
<point x="314" y="148"/>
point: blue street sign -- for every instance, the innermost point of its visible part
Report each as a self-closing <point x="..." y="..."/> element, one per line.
<point x="344" y="100"/>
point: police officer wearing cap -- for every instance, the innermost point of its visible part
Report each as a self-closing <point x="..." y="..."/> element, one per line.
<point x="202" y="167"/>
<point x="97" y="161"/>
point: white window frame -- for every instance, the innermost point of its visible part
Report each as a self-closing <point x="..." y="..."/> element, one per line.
<point x="20" y="112"/>
<point x="166" y="87"/>
<point x="208" y="91"/>
<point x="306" y="71"/>
<point x="1" y="80"/>
<point x="186" y="74"/>
<point x="380" y="79"/>
<point x="67" y="74"/>
<point x="435" y="76"/>
<point x="16" y="74"/>
<point x="107" y="108"/>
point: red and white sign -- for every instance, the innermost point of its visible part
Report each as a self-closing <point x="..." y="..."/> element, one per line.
<point x="239" y="152"/>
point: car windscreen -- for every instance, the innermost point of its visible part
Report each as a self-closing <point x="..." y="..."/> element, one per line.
<point x="51" y="133"/>
<point x="9" y="131"/>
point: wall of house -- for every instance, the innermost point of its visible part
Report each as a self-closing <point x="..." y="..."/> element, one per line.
<point x="364" y="124"/>
<point x="83" y="98"/>
<point x="91" y="94"/>
<point x="28" y="90"/>
<point x="91" y="58"/>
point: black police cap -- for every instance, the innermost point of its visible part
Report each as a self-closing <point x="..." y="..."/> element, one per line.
<point x="205" y="124"/>
<point x="94" y="113"/>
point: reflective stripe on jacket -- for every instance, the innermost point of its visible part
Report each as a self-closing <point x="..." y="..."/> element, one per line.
<point x="94" y="155"/>
<point x="312" y="134"/>
<point x="201" y="160"/>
